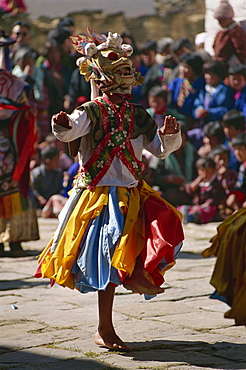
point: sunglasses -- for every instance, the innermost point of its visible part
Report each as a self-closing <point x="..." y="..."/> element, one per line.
<point x="21" y="33"/>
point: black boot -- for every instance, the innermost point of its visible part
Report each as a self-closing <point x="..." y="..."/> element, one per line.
<point x="16" y="249"/>
<point x="2" y="253"/>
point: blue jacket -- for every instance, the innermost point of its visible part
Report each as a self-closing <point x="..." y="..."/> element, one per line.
<point x="174" y="87"/>
<point x="240" y="103"/>
<point x="221" y="102"/>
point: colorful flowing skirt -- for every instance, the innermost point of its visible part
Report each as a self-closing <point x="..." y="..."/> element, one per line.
<point x="102" y="232"/>
<point x="229" y="275"/>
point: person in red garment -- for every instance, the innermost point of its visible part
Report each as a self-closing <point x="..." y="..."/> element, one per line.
<point x="114" y="229"/>
<point x="17" y="144"/>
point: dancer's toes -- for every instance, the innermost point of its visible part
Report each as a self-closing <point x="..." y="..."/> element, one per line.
<point x="111" y="341"/>
<point x="142" y="285"/>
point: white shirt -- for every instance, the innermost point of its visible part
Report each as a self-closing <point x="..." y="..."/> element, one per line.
<point x="118" y="174"/>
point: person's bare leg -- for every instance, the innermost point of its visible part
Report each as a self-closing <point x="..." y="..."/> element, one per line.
<point x="106" y="335"/>
<point x="138" y="282"/>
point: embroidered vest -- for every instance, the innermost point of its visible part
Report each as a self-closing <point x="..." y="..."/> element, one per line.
<point x="114" y="140"/>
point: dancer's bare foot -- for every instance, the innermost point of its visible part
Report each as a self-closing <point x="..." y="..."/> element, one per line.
<point x="110" y="340"/>
<point x="138" y="283"/>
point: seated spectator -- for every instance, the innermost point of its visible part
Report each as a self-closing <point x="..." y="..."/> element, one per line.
<point x="172" y="173"/>
<point x="180" y="47"/>
<point x="237" y="81"/>
<point x="185" y="88"/>
<point x="233" y="123"/>
<point x="65" y="161"/>
<point x="230" y="42"/>
<point x="56" y="202"/>
<point x="237" y="198"/>
<point x="158" y="100"/>
<point x="228" y="177"/>
<point x="207" y="194"/>
<point x="213" y="136"/>
<point x="47" y="178"/>
<point x="217" y="98"/>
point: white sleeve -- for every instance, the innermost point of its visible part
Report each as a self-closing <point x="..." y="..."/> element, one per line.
<point x="80" y="126"/>
<point x="162" y="145"/>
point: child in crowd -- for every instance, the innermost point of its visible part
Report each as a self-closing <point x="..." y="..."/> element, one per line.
<point x="170" y="174"/>
<point x="237" y="81"/>
<point x="207" y="192"/>
<point x="237" y="198"/>
<point x="185" y="88"/>
<point x="107" y="229"/>
<point x="217" y="98"/>
<point x="225" y="175"/>
<point x="158" y="105"/>
<point x="233" y="123"/>
<point x="47" y="178"/>
<point x="213" y="136"/>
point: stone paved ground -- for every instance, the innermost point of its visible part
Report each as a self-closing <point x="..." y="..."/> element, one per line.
<point x="52" y="328"/>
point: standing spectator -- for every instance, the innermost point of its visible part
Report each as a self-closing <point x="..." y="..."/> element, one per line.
<point x="148" y="55"/>
<point x="18" y="221"/>
<point x="79" y="91"/>
<point x="237" y="81"/>
<point x="67" y="22"/>
<point x="62" y="37"/>
<point x="166" y="58"/>
<point x="21" y="33"/>
<point x="200" y="46"/>
<point x="230" y="43"/>
<point x="13" y="7"/>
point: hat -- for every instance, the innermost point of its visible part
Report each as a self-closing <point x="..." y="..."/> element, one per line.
<point x="200" y="38"/>
<point x="4" y="39"/>
<point x="163" y="43"/>
<point x="224" y="10"/>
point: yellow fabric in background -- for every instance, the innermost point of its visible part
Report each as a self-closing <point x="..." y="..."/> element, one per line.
<point x="229" y="275"/>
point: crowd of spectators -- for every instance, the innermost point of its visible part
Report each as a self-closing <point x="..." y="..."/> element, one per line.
<point x="206" y="177"/>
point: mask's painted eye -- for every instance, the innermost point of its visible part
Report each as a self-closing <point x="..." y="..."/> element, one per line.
<point x="113" y="56"/>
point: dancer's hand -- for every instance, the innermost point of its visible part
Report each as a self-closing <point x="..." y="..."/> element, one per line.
<point x="170" y="126"/>
<point x="61" y="119"/>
